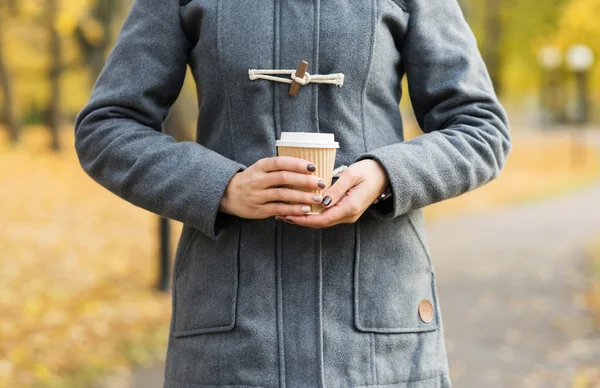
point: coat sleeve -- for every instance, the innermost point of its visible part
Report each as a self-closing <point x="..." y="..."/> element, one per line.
<point x="466" y="138"/>
<point x="118" y="134"/>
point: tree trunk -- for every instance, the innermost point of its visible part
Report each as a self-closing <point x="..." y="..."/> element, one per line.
<point x="164" y="260"/>
<point x="54" y="119"/>
<point x="93" y="52"/>
<point x="8" y="107"/>
<point x="493" y="39"/>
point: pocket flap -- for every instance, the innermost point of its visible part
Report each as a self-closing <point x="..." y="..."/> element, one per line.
<point x="394" y="285"/>
<point x="206" y="284"/>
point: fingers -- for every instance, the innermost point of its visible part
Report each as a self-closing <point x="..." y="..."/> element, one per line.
<point x="327" y="218"/>
<point x="334" y="193"/>
<point x="288" y="163"/>
<point x="347" y="210"/>
<point x="283" y="209"/>
<point x="288" y="170"/>
<point x="283" y="194"/>
<point x="280" y="178"/>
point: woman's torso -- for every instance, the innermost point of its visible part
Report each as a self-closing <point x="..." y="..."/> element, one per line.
<point x="278" y="305"/>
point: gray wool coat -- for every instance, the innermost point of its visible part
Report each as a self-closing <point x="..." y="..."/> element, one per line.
<point x="261" y="303"/>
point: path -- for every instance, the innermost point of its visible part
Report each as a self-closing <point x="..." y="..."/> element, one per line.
<point x="510" y="285"/>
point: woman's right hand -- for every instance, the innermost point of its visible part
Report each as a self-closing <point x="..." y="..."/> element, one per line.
<point x="255" y="192"/>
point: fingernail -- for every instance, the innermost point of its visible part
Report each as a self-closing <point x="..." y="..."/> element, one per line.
<point x="305" y="209"/>
<point x="280" y="218"/>
<point x="311" y="167"/>
<point x="327" y="200"/>
<point x="318" y="198"/>
<point x="322" y="183"/>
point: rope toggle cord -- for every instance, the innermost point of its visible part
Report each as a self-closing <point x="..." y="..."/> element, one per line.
<point x="334" y="78"/>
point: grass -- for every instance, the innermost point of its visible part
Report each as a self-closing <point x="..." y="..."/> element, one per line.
<point x="79" y="263"/>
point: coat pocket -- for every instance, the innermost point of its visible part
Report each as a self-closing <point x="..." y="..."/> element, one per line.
<point x="205" y="284"/>
<point x="394" y="285"/>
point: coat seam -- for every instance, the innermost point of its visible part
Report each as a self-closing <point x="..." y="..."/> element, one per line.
<point x="319" y="235"/>
<point x="356" y="270"/>
<point x="219" y="371"/>
<point x="204" y="330"/>
<point x="373" y="366"/>
<point x="177" y="271"/>
<point x="374" y="358"/>
<point x="169" y="372"/>
<point x="276" y="60"/>
<point x="225" y="91"/>
<point x="421" y="243"/>
<point x="320" y="307"/>
<point x="315" y="88"/>
<point x="214" y="386"/>
<point x="398" y="330"/>
<point x="433" y="378"/>
<point x="279" y="302"/>
<point x="363" y="92"/>
<point x="278" y="226"/>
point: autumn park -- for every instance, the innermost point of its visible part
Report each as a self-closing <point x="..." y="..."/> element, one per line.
<point x="85" y="295"/>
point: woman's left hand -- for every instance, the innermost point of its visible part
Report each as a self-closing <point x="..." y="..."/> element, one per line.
<point x="356" y="189"/>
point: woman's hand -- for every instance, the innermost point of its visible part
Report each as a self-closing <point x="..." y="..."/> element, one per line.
<point x="255" y="192"/>
<point x="355" y="190"/>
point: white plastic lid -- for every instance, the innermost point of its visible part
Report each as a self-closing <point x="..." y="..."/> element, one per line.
<point x="307" y="139"/>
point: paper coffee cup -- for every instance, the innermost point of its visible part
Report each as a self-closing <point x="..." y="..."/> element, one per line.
<point x="319" y="148"/>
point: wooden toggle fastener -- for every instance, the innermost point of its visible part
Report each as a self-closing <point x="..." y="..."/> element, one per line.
<point x="300" y="72"/>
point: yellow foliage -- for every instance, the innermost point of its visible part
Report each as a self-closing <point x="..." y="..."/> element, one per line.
<point x="27" y="53"/>
<point x="580" y="18"/>
<point x="92" y="30"/>
<point x="65" y="23"/>
<point x="579" y="25"/>
<point x="31" y="9"/>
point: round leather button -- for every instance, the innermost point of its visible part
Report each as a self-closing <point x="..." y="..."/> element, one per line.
<point x="426" y="311"/>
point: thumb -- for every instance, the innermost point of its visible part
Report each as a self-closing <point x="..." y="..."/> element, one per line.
<point x="336" y="191"/>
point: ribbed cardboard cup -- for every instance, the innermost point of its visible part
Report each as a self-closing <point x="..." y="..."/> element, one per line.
<point x="319" y="148"/>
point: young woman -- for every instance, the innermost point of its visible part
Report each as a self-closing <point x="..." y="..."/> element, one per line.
<point x="346" y="298"/>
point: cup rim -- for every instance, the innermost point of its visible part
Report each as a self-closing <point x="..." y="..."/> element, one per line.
<point x="307" y="140"/>
<point x="308" y="145"/>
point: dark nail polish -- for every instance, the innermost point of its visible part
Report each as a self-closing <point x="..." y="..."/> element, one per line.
<point x="322" y="184"/>
<point x="327" y="200"/>
<point x="311" y="167"/>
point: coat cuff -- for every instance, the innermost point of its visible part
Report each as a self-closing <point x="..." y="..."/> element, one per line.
<point x="212" y="185"/>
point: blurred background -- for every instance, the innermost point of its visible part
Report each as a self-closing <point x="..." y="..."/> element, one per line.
<point x="84" y="276"/>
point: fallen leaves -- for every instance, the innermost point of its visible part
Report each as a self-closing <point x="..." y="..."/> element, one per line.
<point x="78" y="270"/>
